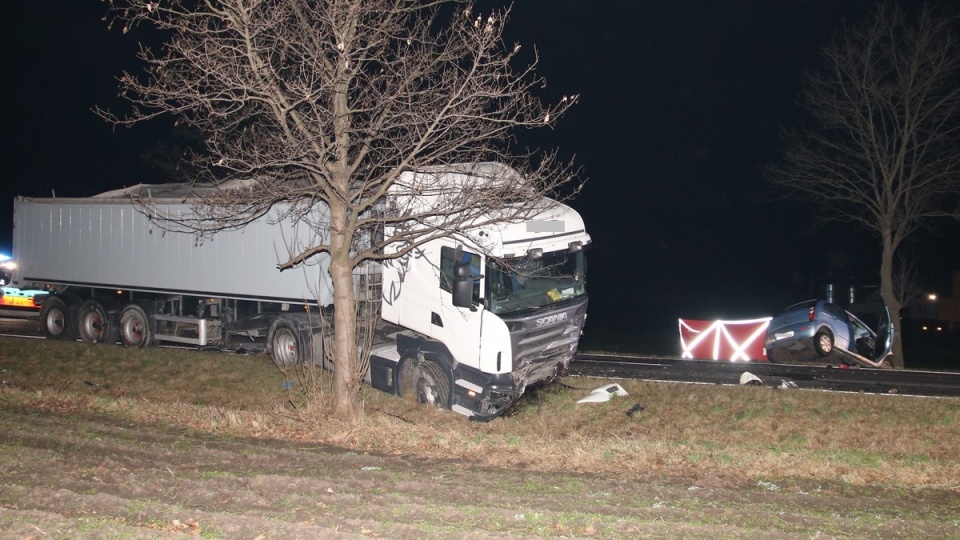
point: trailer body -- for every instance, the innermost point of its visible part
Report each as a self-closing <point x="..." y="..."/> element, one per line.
<point x="110" y="242"/>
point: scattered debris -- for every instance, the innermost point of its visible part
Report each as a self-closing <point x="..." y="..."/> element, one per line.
<point x="634" y="410"/>
<point x="604" y="394"/>
<point x="749" y="379"/>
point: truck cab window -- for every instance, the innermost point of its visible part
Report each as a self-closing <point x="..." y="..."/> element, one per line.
<point x="523" y="283"/>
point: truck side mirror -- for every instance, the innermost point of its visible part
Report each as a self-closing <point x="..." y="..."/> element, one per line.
<point x="462" y="285"/>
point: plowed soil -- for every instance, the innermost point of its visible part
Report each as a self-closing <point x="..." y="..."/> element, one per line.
<point x="83" y="477"/>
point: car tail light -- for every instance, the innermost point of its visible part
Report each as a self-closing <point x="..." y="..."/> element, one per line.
<point x="813" y="312"/>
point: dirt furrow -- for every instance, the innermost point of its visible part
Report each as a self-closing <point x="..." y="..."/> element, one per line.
<point x="77" y="477"/>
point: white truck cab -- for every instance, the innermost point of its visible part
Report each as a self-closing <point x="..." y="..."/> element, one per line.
<point x="487" y="313"/>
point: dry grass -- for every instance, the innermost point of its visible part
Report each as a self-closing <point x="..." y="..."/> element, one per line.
<point x="699" y="433"/>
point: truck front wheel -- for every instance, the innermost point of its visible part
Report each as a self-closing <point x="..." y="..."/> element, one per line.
<point x="427" y="382"/>
<point x="98" y="321"/>
<point x="58" y="319"/>
<point x="135" y="326"/>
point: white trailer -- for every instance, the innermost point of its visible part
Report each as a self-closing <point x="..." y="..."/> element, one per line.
<point x="464" y="326"/>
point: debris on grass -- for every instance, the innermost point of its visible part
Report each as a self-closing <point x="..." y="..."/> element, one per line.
<point x="604" y="394"/>
<point x="634" y="410"/>
<point x="749" y="379"/>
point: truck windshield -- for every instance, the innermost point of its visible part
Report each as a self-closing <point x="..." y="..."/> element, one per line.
<point x="526" y="283"/>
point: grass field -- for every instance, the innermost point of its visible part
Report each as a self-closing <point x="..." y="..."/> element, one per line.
<point x="713" y="434"/>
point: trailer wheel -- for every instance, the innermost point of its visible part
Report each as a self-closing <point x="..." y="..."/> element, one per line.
<point x="135" y="326"/>
<point x="427" y="382"/>
<point x="285" y="346"/>
<point x="58" y="319"/>
<point x="98" y="321"/>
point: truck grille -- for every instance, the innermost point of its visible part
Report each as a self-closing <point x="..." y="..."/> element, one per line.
<point x="546" y="337"/>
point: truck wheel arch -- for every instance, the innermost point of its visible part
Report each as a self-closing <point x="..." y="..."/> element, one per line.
<point x="425" y="363"/>
<point x="425" y="381"/>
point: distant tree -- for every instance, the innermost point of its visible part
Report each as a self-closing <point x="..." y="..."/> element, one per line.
<point x="883" y="146"/>
<point x="328" y="101"/>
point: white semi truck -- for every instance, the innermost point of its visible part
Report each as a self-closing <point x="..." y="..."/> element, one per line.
<point x="463" y="326"/>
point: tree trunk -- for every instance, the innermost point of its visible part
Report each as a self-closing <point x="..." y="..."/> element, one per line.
<point x="346" y="380"/>
<point x="890" y="298"/>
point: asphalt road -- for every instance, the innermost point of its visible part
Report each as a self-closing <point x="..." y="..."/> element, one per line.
<point x="910" y="382"/>
<point x="20" y="327"/>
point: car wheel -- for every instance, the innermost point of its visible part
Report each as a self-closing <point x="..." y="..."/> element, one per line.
<point x="823" y="343"/>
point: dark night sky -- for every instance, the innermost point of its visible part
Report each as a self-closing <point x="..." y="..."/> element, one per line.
<point x="682" y="102"/>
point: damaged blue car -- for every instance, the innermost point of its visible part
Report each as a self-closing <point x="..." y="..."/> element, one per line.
<point x="817" y="329"/>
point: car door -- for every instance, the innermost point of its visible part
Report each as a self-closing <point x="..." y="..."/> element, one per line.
<point x="839" y="324"/>
<point x="884" y="336"/>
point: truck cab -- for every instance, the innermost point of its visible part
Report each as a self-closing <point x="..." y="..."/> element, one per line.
<point x="486" y="314"/>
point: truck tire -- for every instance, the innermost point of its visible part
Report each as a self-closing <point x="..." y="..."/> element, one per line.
<point x="136" y="326"/>
<point x="97" y="321"/>
<point x="286" y="344"/>
<point x="433" y="385"/>
<point x="58" y="318"/>
<point x="291" y="341"/>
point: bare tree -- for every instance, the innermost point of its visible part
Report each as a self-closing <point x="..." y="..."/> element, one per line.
<point x="327" y="102"/>
<point x="882" y="150"/>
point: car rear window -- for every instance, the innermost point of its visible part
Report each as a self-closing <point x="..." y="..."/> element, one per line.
<point x="801" y="306"/>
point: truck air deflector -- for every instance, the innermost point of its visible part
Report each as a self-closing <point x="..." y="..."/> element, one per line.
<point x="541" y="238"/>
